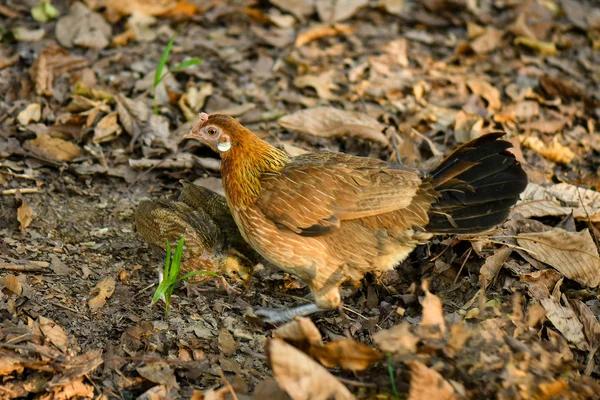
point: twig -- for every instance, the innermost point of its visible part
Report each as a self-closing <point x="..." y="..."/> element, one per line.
<point x="463" y="264"/>
<point x="356" y="383"/>
<point x="434" y="150"/>
<point x="22" y="190"/>
<point x="229" y="387"/>
<point x="22" y="268"/>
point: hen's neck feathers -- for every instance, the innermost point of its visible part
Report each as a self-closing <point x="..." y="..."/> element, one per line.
<point x="243" y="166"/>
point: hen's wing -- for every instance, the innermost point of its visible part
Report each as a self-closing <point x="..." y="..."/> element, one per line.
<point x="316" y="191"/>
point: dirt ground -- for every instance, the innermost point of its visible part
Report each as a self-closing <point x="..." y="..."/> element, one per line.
<point x="80" y="146"/>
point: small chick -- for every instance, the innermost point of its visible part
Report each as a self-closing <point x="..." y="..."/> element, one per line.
<point x="201" y="219"/>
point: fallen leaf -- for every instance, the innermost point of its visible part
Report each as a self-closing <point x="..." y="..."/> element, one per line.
<point x="322" y="84"/>
<point x="302" y="377"/>
<point x="591" y="326"/>
<point x="492" y="265"/>
<point x="573" y="254"/>
<point x="459" y="335"/>
<point x="554" y="151"/>
<point x="332" y="122"/>
<point x="433" y="314"/>
<point x="300" y="9"/>
<point x="31" y="113"/>
<point x="102" y="291"/>
<point x="347" y="354"/>
<point x="78" y="366"/>
<point x="559" y="200"/>
<point x="107" y="129"/>
<point x="489" y="41"/>
<point x="331" y="11"/>
<point x="53" y="149"/>
<point x="83" y="27"/>
<point x="467" y="126"/>
<point x="159" y="372"/>
<point x="227" y="343"/>
<point x="545" y="48"/>
<point x="148" y="7"/>
<point x="12" y="283"/>
<point x="484" y="89"/>
<point x="322" y="31"/>
<point x="73" y="390"/>
<point x="427" y="384"/>
<point x="51" y="62"/>
<point x="565" y="320"/>
<point x="24" y="212"/>
<point x="301" y="330"/>
<point x="397" y="340"/>
<point x="53" y="332"/>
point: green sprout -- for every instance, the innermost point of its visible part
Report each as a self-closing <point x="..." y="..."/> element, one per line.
<point x="171" y="272"/>
<point x="391" y="372"/>
<point x="160" y="72"/>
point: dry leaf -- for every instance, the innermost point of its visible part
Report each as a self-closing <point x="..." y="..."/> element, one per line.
<point x="397" y="339"/>
<point x="467" y="126"/>
<point x="103" y="290"/>
<point x="332" y="122"/>
<point x="12" y="283"/>
<point x="433" y="314"/>
<point x="427" y="384"/>
<point x="591" y="326"/>
<point x="148" y="7"/>
<point x="321" y="83"/>
<point x="574" y="254"/>
<point x="107" y="129"/>
<point x="73" y="390"/>
<point x="51" y="62"/>
<point x="159" y="372"/>
<point x="558" y="200"/>
<point x="545" y="48"/>
<point x="565" y="320"/>
<point x="347" y="354"/>
<point x="53" y="332"/>
<point x="24" y="212"/>
<point x="298" y="331"/>
<point x="302" y="377"/>
<point x="31" y="113"/>
<point x="322" y="31"/>
<point x="53" y="149"/>
<point x="489" y="41"/>
<point x="554" y="151"/>
<point x="227" y="343"/>
<point x="492" y="265"/>
<point x="300" y="9"/>
<point x="483" y="88"/>
<point x="331" y="11"/>
<point x="83" y="27"/>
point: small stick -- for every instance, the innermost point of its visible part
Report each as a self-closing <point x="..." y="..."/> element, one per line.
<point x="22" y="190"/>
<point x="22" y="268"/>
<point x="229" y="387"/>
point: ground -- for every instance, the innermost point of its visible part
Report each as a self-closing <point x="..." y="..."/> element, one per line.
<point x="508" y="314"/>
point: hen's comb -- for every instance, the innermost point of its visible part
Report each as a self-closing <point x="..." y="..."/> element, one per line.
<point x="203" y="116"/>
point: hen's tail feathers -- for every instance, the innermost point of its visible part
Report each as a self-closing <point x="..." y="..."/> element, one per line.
<point x="477" y="185"/>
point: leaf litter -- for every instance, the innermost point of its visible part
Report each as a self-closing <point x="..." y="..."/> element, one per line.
<point x="399" y="80"/>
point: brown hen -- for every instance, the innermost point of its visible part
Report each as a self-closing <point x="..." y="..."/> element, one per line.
<point x="330" y="217"/>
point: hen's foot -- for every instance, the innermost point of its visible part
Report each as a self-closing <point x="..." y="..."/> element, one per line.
<point x="281" y="315"/>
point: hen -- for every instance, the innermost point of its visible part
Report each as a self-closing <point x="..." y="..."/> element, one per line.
<point x="212" y="240"/>
<point x="331" y="217"/>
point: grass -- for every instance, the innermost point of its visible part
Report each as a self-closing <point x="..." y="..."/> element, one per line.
<point x="391" y="372"/>
<point x="160" y="72"/>
<point x="171" y="273"/>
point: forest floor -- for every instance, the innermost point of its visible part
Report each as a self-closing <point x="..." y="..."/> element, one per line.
<point x="509" y="314"/>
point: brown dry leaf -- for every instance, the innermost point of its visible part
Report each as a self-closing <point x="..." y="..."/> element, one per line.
<point x="107" y="129"/>
<point x="227" y="343"/>
<point x="545" y="48"/>
<point x="554" y="151"/>
<point x="397" y="339"/>
<point x="459" y="335"/>
<point x="159" y="372"/>
<point x="302" y="377"/>
<point x="51" y="62"/>
<point x="481" y="87"/>
<point x="192" y="101"/>
<point x="332" y="122"/>
<point x="557" y="200"/>
<point x="148" y="7"/>
<point x="489" y="41"/>
<point x="564" y="319"/>
<point x="12" y="283"/>
<point x="323" y="84"/>
<point x="52" y="149"/>
<point x="31" y="113"/>
<point x="53" y="332"/>
<point x="300" y="9"/>
<point x="78" y="366"/>
<point x="10" y="363"/>
<point x="591" y="326"/>
<point x="347" y="354"/>
<point x="331" y="11"/>
<point x="299" y="330"/>
<point x="83" y="27"/>
<point x="322" y="31"/>
<point x="433" y="314"/>
<point x="574" y="254"/>
<point x="73" y="390"/>
<point x="492" y="265"/>
<point x="427" y="384"/>
<point x="467" y="126"/>
<point x="102" y="291"/>
<point x="24" y="212"/>
<point x="158" y="392"/>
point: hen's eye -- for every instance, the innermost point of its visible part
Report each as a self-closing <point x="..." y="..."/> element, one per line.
<point x="212" y="131"/>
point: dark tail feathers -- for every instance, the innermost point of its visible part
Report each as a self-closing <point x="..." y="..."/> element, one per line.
<point x="477" y="184"/>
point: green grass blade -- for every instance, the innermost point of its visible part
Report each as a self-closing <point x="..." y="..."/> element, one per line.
<point x="391" y="372"/>
<point x="158" y="74"/>
<point x="186" y="64"/>
<point x="176" y="261"/>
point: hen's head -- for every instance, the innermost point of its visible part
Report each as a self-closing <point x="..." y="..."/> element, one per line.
<point x="220" y="132"/>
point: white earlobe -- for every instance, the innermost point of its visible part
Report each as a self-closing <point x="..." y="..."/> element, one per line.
<point x="224" y="146"/>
